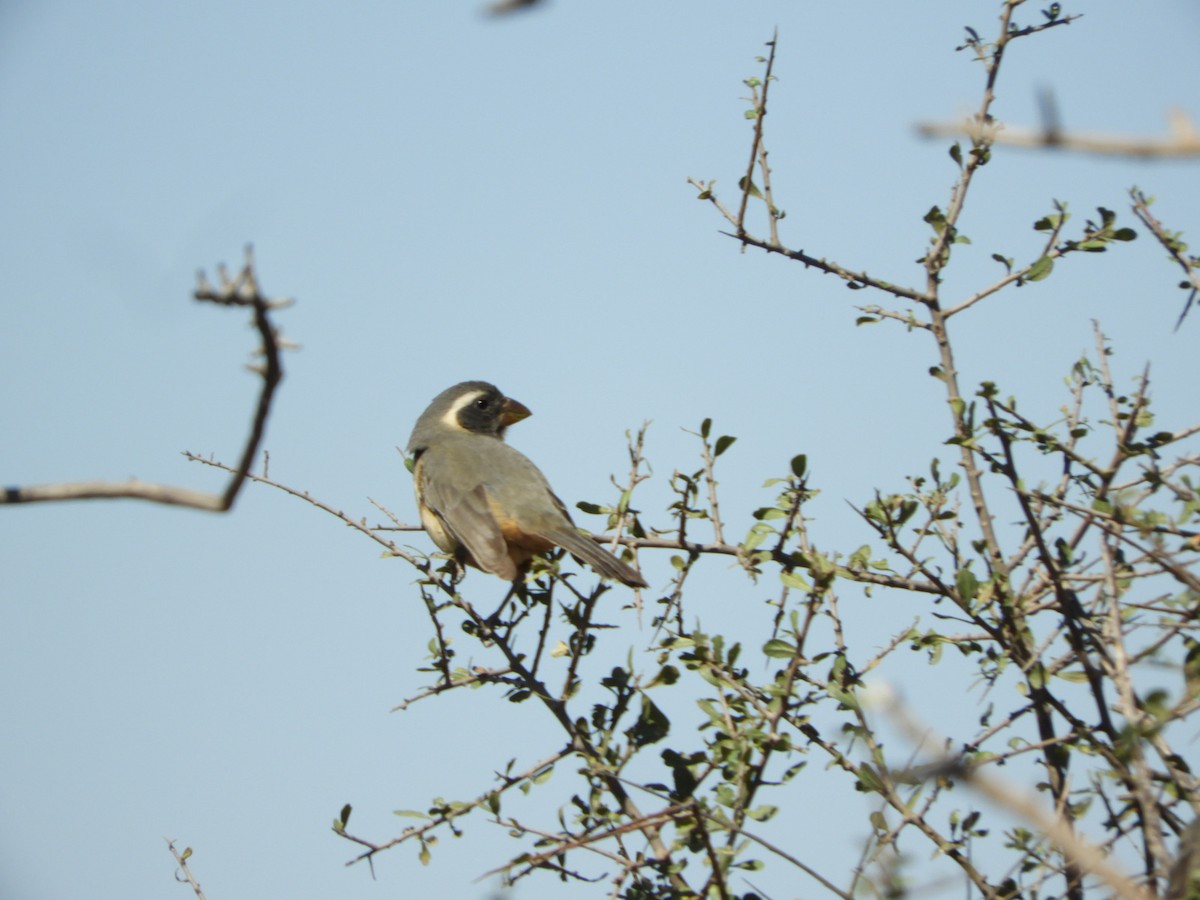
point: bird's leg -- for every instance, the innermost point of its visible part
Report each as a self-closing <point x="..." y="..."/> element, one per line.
<point x="517" y="589"/>
<point x="457" y="570"/>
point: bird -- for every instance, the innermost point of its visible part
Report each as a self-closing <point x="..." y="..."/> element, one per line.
<point x="485" y="502"/>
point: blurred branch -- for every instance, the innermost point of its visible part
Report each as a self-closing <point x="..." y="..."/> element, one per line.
<point x="1182" y="138"/>
<point x="1186" y="870"/>
<point x="1009" y="796"/>
<point x="505" y="7"/>
<point x="241" y="291"/>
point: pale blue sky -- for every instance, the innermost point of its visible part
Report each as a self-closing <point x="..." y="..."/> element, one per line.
<point x="452" y="197"/>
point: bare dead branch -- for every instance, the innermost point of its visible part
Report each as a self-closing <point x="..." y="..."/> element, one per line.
<point x="853" y="278"/>
<point x="240" y="291"/>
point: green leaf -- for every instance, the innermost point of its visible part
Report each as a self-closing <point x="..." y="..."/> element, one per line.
<point x="777" y="649"/>
<point x="593" y="509"/>
<point x="968" y="585"/>
<point x="344" y="818"/>
<point x="1040" y="269"/>
<point x="724" y="442"/>
<point x="956" y="153"/>
<point x="668" y="674"/>
<point x="749" y="187"/>
<point x="936" y="219"/>
<point x="685" y="781"/>
<point x="1076" y="677"/>
<point x="1049" y="223"/>
<point x="846" y="698"/>
<point x="868" y="779"/>
<point x="799" y="465"/>
<point x="795" y="581"/>
<point x="726" y="796"/>
<point x="1191" y="666"/>
<point x="1124" y="234"/>
<point x="762" y="813"/>
<point x="652" y="725"/>
<point x="751" y="113"/>
<point x="710" y="709"/>
<point x="705" y="428"/>
<point x="1037" y="676"/>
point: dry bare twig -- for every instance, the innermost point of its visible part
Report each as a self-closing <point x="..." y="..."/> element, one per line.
<point x="241" y="291"/>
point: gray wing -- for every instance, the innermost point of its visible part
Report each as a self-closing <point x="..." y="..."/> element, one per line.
<point x="540" y="514"/>
<point x="466" y="515"/>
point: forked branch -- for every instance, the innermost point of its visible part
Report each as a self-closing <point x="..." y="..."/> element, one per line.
<point x="241" y="291"/>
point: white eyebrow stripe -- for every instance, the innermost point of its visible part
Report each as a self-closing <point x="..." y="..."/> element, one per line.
<point x="450" y="418"/>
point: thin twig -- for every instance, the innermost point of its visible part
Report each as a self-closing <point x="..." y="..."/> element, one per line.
<point x="181" y="861"/>
<point x="1173" y="245"/>
<point x="760" y="108"/>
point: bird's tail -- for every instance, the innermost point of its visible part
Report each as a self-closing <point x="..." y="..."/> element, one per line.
<point x="599" y="559"/>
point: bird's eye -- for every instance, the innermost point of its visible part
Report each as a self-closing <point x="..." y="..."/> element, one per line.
<point x="483" y="403"/>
